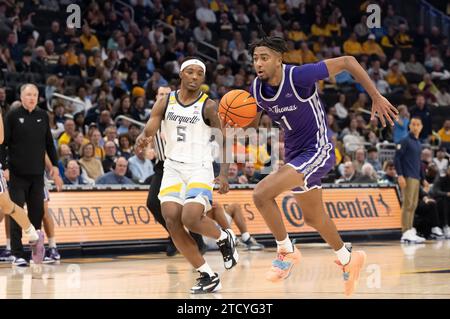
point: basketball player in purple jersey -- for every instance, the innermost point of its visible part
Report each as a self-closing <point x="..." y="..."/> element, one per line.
<point x="289" y="96"/>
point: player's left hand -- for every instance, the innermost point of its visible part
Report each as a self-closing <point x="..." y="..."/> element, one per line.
<point x="58" y="183"/>
<point x="228" y="127"/>
<point x="383" y="109"/>
<point x="224" y="187"/>
<point x="141" y="143"/>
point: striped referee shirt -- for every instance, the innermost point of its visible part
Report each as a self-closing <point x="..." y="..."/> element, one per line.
<point x="159" y="146"/>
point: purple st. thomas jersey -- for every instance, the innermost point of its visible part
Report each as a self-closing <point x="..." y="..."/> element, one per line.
<point x="296" y="107"/>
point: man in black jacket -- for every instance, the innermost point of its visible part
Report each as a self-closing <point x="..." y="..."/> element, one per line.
<point x="441" y="191"/>
<point x="28" y="138"/>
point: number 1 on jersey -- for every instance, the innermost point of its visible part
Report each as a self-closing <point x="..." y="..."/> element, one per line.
<point x="286" y="122"/>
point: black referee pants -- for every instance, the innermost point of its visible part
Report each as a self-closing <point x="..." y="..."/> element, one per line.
<point x="154" y="205"/>
<point x="27" y="189"/>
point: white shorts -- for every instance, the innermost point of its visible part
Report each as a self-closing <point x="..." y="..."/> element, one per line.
<point x="46" y="194"/>
<point x="183" y="183"/>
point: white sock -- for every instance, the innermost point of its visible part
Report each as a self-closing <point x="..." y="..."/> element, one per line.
<point x="51" y="242"/>
<point x="223" y="235"/>
<point x="8" y="243"/>
<point x="285" y="244"/>
<point x="205" y="268"/>
<point x="32" y="234"/>
<point x="343" y="255"/>
<point x="245" y="236"/>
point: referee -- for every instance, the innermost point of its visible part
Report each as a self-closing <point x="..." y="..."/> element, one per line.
<point x="27" y="139"/>
<point x="153" y="203"/>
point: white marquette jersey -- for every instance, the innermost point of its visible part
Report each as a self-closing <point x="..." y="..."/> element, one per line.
<point x="187" y="134"/>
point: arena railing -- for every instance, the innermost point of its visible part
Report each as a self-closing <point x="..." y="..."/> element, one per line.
<point x="213" y="48"/>
<point x="129" y="119"/>
<point x="124" y="4"/>
<point x="430" y="17"/>
<point x="66" y="98"/>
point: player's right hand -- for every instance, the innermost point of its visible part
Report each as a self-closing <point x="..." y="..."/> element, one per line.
<point x="227" y="126"/>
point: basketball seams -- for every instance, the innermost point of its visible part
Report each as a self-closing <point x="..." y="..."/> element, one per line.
<point x="228" y="109"/>
<point x="239" y="106"/>
<point x="239" y="115"/>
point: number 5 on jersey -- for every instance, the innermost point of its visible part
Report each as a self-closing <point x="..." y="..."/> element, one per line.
<point x="181" y="133"/>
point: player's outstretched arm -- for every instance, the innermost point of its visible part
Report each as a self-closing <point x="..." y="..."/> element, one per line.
<point x="153" y="124"/>
<point x="380" y="105"/>
<point x="212" y="115"/>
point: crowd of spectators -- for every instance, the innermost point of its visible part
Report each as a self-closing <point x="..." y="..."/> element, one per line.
<point x="114" y="64"/>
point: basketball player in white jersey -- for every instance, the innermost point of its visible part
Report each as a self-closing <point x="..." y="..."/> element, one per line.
<point x="188" y="116"/>
<point x="8" y="207"/>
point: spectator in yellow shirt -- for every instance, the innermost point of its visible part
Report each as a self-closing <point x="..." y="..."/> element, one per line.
<point x="395" y="77"/>
<point x="88" y="39"/>
<point x="371" y="47"/>
<point x="258" y="155"/>
<point x="402" y="39"/>
<point x="216" y="4"/>
<point x="293" y="55"/>
<point x="428" y="83"/>
<point x="307" y="55"/>
<point x="352" y="46"/>
<point x="69" y="132"/>
<point x="388" y="41"/>
<point x="71" y="55"/>
<point x="319" y="28"/>
<point x="319" y="45"/>
<point x="333" y="27"/>
<point x="296" y="34"/>
<point x="444" y="132"/>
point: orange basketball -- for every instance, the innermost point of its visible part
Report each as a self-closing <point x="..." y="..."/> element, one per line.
<point x="239" y="107"/>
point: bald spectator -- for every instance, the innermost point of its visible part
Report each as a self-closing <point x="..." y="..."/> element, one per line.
<point x="69" y="132"/>
<point x="233" y="174"/>
<point x="72" y="174"/>
<point x="141" y="168"/>
<point x="350" y="174"/>
<point x="117" y="176"/>
<point x="250" y="174"/>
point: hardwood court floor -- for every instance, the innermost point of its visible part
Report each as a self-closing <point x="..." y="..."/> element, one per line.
<point x="391" y="271"/>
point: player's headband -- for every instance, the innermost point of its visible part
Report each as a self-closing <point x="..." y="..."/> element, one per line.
<point x="193" y="62"/>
